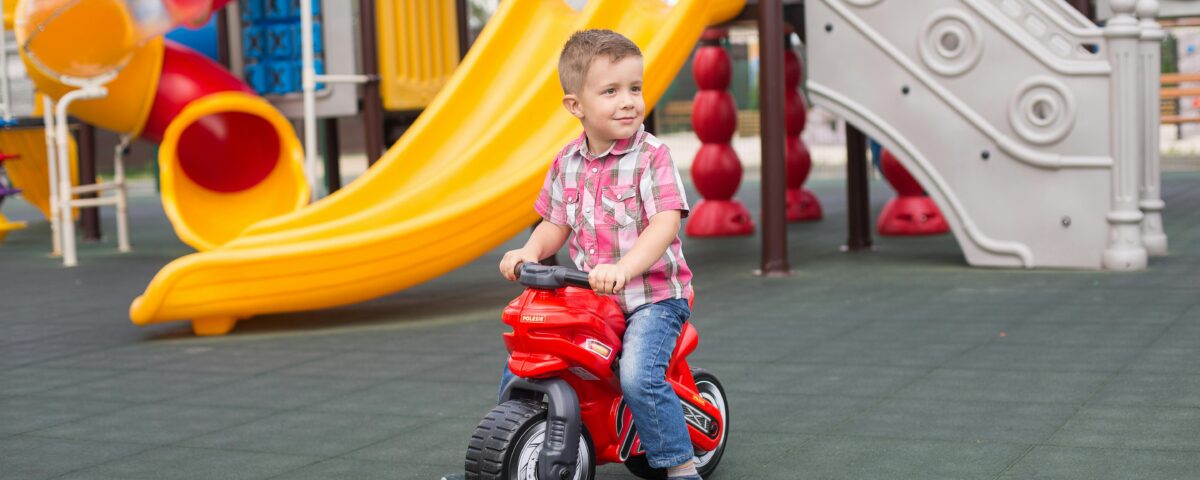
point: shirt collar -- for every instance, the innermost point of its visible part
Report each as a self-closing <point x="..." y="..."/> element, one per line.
<point x="620" y="147"/>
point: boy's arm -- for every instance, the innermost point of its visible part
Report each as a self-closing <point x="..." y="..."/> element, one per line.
<point x="545" y="240"/>
<point x="551" y="233"/>
<point x="649" y="247"/>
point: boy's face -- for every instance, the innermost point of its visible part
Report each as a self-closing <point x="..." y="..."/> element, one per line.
<point x="610" y="103"/>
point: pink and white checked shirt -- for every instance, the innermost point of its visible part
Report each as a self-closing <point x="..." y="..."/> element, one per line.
<point x="608" y="200"/>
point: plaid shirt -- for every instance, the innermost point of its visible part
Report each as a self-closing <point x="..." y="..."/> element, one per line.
<point x="608" y="200"/>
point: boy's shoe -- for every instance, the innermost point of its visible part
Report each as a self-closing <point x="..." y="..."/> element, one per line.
<point x="459" y="476"/>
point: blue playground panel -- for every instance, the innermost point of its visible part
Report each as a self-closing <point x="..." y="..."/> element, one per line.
<point x="271" y="45"/>
<point x="202" y="39"/>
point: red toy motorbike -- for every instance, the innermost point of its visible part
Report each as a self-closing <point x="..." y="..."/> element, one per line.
<point x="564" y="413"/>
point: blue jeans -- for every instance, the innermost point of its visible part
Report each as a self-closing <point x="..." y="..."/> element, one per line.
<point x="650" y="335"/>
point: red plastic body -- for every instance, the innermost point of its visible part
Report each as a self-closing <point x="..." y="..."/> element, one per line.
<point x="186" y="76"/>
<point x="552" y="330"/>
<point x="912" y="212"/>
<point x="716" y="170"/>
<point x="802" y="204"/>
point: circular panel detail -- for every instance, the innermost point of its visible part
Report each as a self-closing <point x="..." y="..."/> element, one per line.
<point x="1042" y="111"/>
<point x="951" y="42"/>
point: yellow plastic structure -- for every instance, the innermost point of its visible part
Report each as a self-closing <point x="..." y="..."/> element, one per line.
<point x="202" y="218"/>
<point x="130" y="94"/>
<point x="30" y="171"/>
<point x="191" y="207"/>
<point x="418" y="50"/>
<point x="80" y="39"/>
<point x="460" y="182"/>
<point x="10" y="10"/>
<point x="8" y="226"/>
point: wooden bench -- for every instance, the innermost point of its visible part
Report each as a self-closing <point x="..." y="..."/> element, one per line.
<point x="1171" y="92"/>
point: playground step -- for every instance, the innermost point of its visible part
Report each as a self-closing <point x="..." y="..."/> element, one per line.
<point x="5" y="192"/>
<point x="9" y="156"/>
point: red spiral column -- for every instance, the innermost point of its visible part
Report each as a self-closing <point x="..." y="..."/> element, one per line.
<point x="802" y="205"/>
<point x="911" y="212"/>
<point x="716" y="170"/>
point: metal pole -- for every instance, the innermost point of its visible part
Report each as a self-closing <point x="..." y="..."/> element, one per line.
<point x="1084" y="7"/>
<point x="372" y="103"/>
<point x="5" y="91"/>
<point x="774" y="170"/>
<point x="333" y="170"/>
<point x="48" y="109"/>
<point x="309" y="80"/>
<point x="89" y="217"/>
<point x="464" y="28"/>
<point x="858" y="201"/>
<point x="66" y="222"/>
<point x="794" y="15"/>
<point x="223" y="38"/>
<point x="119" y="153"/>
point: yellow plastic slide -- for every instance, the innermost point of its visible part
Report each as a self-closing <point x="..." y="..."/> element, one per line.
<point x="459" y="183"/>
<point x="30" y="170"/>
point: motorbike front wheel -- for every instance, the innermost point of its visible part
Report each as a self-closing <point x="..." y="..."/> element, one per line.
<point x="507" y="443"/>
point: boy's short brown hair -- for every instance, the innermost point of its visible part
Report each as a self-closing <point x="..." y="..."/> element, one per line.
<point x="583" y="47"/>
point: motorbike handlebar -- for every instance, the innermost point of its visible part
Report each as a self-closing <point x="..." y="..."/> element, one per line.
<point x="549" y="277"/>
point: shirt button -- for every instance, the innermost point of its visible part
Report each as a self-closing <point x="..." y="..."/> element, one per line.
<point x="592" y="251"/>
<point x="587" y="210"/>
<point x="595" y="169"/>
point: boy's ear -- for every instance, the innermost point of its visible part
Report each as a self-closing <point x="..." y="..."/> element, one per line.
<point x="571" y="103"/>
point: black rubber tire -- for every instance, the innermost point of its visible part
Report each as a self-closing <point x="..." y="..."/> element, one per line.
<point x="491" y="450"/>
<point x="638" y="465"/>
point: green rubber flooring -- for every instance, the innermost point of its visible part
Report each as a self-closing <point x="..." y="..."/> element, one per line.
<point x="901" y="363"/>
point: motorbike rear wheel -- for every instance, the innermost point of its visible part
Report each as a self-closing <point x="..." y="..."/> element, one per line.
<point x="706" y="462"/>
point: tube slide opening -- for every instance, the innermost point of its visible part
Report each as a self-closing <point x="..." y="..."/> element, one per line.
<point x="228" y="151"/>
<point x="228" y="161"/>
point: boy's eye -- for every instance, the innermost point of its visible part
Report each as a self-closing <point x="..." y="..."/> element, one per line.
<point x="610" y="91"/>
<point x="637" y="88"/>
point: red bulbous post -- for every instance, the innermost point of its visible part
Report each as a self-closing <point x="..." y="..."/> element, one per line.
<point x="802" y="204"/>
<point x="716" y="170"/>
<point x="911" y="212"/>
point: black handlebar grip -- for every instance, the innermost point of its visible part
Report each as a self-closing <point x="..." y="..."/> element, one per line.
<point x="551" y="277"/>
<point x="576" y="278"/>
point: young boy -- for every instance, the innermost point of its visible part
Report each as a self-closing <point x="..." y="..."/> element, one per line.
<point x="616" y="189"/>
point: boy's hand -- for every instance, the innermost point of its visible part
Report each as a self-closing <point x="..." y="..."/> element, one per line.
<point x="607" y="278"/>
<point x="513" y="258"/>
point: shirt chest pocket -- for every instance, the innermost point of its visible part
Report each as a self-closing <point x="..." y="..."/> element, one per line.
<point x="571" y="202"/>
<point x="620" y="205"/>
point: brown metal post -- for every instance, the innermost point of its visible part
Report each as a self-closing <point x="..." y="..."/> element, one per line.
<point x="858" y="201"/>
<point x="794" y="16"/>
<point x="223" y="37"/>
<point x="1085" y="7"/>
<point x="89" y="216"/>
<point x="372" y="104"/>
<point x="464" y="27"/>
<point x="774" y="169"/>
<point x="332" y="154"/>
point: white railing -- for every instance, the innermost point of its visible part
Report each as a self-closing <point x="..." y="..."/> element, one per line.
<point x="62" y="193"/>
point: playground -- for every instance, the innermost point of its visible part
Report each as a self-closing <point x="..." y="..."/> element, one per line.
<point x="258" y="239"/>
<point x="901" y="363"/>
